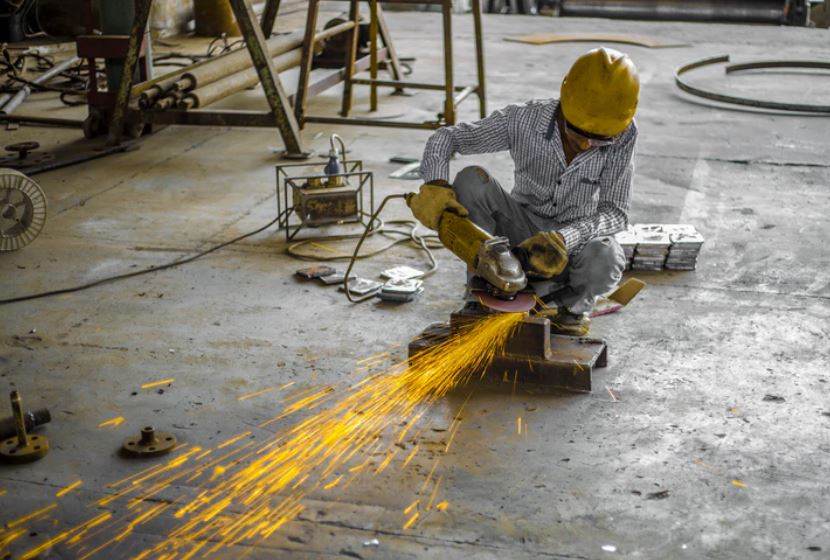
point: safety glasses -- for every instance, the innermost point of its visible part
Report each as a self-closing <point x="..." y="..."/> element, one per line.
<point x="592" y="139"/>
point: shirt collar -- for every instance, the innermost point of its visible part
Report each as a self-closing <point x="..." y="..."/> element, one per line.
<point x="547" y="123"/>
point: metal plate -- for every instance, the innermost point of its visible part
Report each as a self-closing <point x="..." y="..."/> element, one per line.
<point x="532" y="357"/>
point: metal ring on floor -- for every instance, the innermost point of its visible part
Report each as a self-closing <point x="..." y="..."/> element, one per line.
<point x="758" y="103"/>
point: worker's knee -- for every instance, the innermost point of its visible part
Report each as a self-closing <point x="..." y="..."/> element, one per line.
<point x="472" y="183"/>
<point x="599" y="265"/>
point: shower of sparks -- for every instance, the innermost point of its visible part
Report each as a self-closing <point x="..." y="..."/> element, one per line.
<point x="159" y="383"/>
<point x="112" y="422"/>
<point x="249" y="489"/>
<point x="255" y="394"/>
<point x="67" y="489"/>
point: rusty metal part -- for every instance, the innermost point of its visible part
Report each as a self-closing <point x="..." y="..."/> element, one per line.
<point x="308" y="197"/>
<point x="269" y="78"/>
<point x="627" y="39"/>
<point x="749" y="102"/>
<point x="64" y="155"/>
<point x="44" y="121"/>
<point x="122" y="97"/>
<point x="31" y="420"/>
<point x="449" y="106"/>
<point x="23" y="448"/>
<point x="382" y="51"/>
<point x="533" y="357"/>
<point x="425" y="125"/>
<point x="269" y="16"/>
<point x="203" y="96"/>
<point x="149" y="443"/>
<point x="479" y="39"/>
<point x="22" y="149"/>
<point x="373" y="54"/>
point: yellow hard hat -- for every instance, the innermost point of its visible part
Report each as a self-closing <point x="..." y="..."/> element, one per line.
<point x="599" y="93"/>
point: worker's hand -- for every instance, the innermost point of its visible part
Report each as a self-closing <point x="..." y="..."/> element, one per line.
<point x="543" y="255"/>
<point x="432" y="199"/>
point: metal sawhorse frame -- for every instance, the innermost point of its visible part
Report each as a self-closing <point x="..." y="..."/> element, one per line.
<point x="378" y="31"/>
<point x="289" y="117"/>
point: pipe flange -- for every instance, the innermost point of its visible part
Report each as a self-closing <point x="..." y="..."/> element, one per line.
<point x="13" y="452"/>
<point x="23" y="148"/>
<point x="149" y="443"/>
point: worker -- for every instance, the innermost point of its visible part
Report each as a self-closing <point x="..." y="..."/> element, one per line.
<point x="573" y="160"/>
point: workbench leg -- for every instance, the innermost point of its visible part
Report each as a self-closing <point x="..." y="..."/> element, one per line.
<point x="268" y="77"/>
<point x="351" y="56"/>
<point x="373" y="54"/>
<point x="307" y="59"/>
<point x="449" y="89"/>
<point x="394" y="62"/>
<point x="269" y="16"/>
<point x="479" y="38"/>
<point x="122" y="99"/>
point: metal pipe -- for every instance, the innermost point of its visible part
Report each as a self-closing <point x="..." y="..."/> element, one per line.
<point x="31" y="420"/>
<point x="479" y="38"/>
<point x="24" y="92"/>
<point x="397" y="84"/>
<point x="758" y="11"/>
<point x="234" y="62"/>
<point x="46" y="121"/>
<point x="449" y="108"/>
<point x="373" y="54"/>
<point x="236" y="82"/>
<point x="224" y="66"/>
<point x="463" y="94"/>
<point x="427" y="125"/>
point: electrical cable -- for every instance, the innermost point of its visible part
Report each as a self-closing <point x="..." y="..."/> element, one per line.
<point x="422" y="241"/>
<point x="157" y="268"/>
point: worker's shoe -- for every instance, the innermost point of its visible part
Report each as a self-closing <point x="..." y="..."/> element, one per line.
<point x="564" y="322"/>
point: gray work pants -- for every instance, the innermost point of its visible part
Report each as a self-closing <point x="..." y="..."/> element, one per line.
<point x="594" y="270"/>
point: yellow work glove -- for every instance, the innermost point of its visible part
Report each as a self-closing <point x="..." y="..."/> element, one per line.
<point x="543" y="255"/>
<point x="431" y="201"/>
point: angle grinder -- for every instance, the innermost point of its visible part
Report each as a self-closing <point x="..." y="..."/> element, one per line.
<point x="499" y="281"/>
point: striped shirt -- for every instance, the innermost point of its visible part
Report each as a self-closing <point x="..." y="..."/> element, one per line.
<point x="588" y="198"/>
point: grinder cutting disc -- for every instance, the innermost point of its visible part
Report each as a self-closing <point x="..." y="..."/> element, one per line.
<point x="521" y="303"/>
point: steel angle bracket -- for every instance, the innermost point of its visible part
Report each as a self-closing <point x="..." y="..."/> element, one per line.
<point x="747" y="101"/>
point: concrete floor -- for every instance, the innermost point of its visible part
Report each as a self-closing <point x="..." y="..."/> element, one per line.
<point x="691" y="359"/>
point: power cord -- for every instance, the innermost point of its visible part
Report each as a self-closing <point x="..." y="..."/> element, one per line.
<point x="157" y="268"/>
<point x="374" y="226"/>
<point x="424" y="242"/>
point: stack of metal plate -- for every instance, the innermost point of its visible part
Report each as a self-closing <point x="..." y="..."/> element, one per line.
<point x="652" y="247"/>
<point x="628" y="241"/>
<point x="686" y="242"/>
<point x="659" y="246"/>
